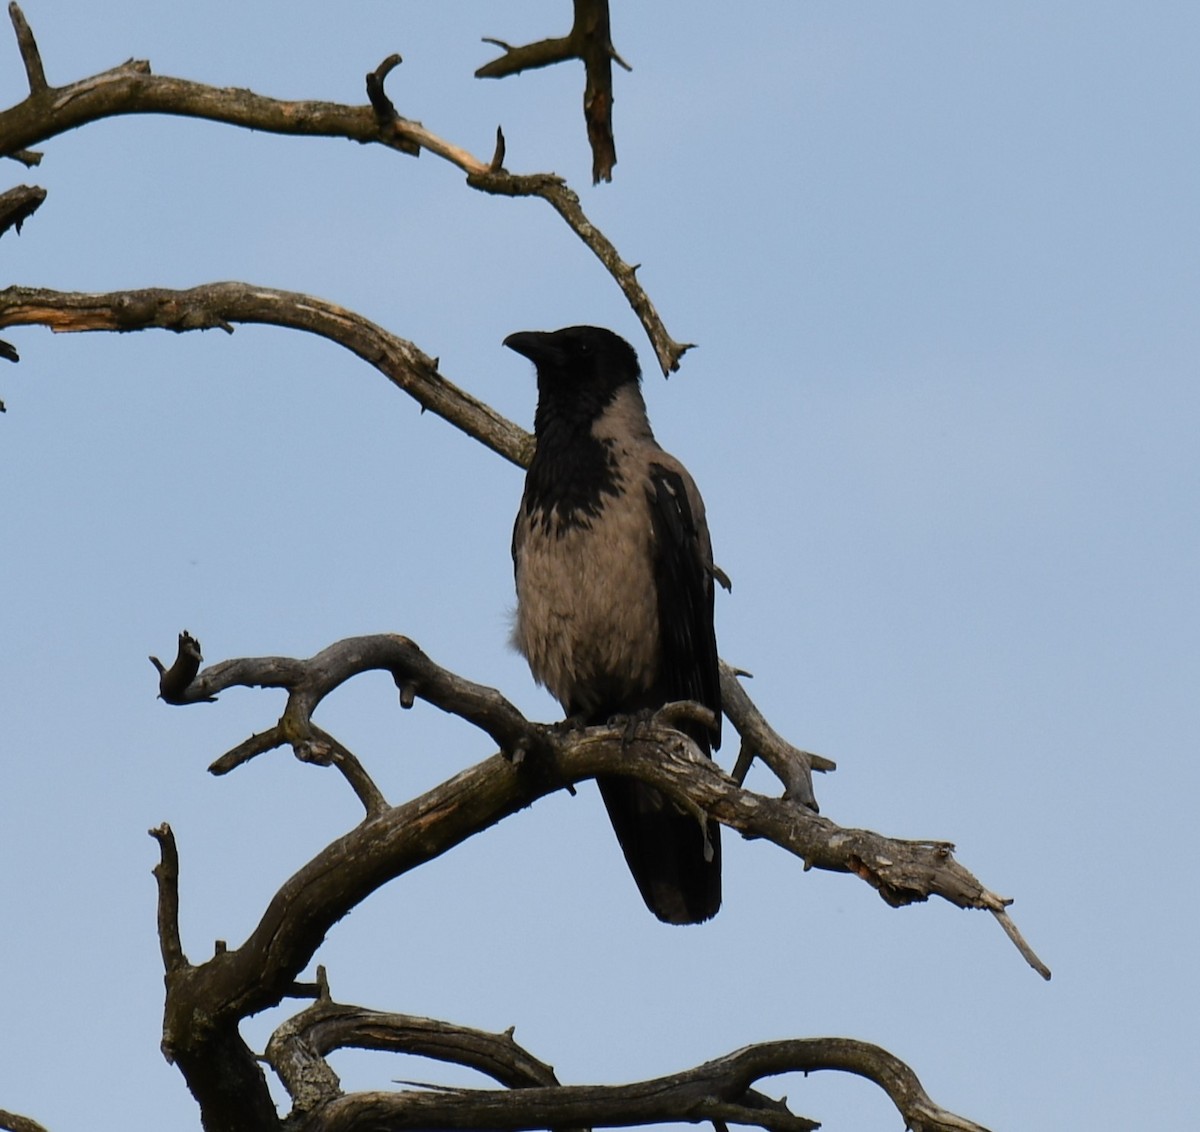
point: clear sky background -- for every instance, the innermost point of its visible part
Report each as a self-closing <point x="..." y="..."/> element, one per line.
<point x="941" y="261"/>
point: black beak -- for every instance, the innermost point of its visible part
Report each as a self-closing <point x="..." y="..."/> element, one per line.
<point x="536" y="345"/>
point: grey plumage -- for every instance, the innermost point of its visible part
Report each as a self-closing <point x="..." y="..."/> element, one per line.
<point x="615" y="591"/>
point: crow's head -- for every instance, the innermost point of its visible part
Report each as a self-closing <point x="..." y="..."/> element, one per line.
<point x="578" y="362"/>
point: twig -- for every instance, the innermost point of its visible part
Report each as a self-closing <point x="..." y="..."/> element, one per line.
<point x="1010" y="929"/>
<point x="792" y="766"/>
<point x="323" y="749"/>
<point x="385" y="112"/>
<point x="166" y="874"/>
<point x="30" y="55"/>
<point x="258" y="744"/>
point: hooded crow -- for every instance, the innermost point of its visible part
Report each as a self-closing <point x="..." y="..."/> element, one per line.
<point x="614" y="581"/>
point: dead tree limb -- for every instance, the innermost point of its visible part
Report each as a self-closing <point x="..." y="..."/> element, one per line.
<point x="590" y="41"/>
<point x="131" y="88"/>
<point x="720" y="1090"/>
<point x="218" y="306"/>
<point x="538" y="759"/>
<point x="30" y="55"/>
<point x="565" y="202"/>
<point x="221" y="305"/>
<point x="166" y="877"/>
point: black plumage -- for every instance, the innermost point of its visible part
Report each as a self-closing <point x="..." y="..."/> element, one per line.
<point x="614" y="582"/>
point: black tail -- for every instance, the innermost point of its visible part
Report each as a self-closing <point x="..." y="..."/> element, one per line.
<point x="675" y="861"/>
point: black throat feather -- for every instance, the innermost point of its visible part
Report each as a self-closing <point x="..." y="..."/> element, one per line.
<point x="572" y="472"/>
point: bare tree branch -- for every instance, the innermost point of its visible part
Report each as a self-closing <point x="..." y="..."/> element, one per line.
<point x="217" y="306"/>
<point x="902" y="871"/>
<point x="220" y="305"/>
<point x="719" y="1091"/>
<point x="131" y="89"/>
<point x="1019" y="941"/>
<point x="590" y="40"/>
<point x="565" y="202"/>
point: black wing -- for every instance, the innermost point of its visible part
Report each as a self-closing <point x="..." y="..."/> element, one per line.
<point x="683" y="574"/>
<point x="675" y="859"/>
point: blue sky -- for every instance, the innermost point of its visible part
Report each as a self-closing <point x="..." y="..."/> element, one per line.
<point x="941" y="263"/>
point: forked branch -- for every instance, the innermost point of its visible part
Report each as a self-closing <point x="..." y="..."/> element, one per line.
<point x="539" y="759"/>
<point x="590" y="41"/>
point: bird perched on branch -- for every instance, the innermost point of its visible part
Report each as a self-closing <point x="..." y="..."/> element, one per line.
<point x="614" y="579"/>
